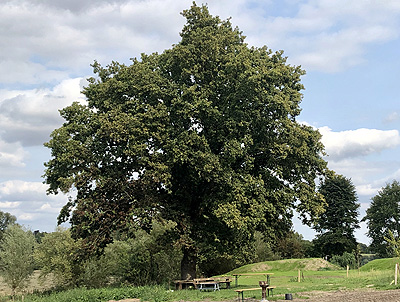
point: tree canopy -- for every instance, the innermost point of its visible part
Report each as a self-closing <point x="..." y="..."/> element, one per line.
<point x="383" y="216"/>
<point x="6" y="219"/>
<point x="337" y="224"/>
<point x="203" y="134"/>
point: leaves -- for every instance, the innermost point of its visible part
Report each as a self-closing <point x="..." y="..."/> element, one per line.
<point x="337" y="224"/>
<point x="384" y="215"/>
<point x="203" y="134"/>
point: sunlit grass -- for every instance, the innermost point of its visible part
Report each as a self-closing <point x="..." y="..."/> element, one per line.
<point x="285" y="278"/>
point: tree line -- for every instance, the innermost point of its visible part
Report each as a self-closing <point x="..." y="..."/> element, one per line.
<point x="140" y="257"/>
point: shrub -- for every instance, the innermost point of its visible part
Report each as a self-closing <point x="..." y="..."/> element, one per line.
<point x="344" y="260"/>
<point x="16" y="256"/>
<point x="56" y="256"/>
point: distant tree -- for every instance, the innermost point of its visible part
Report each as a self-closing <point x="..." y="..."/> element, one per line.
<point x="337" y="224"/>
<point x="39" y="235"/>
<point x="204" y="134"/>
<point x="57" y="255"/>
<point x="364" y="249"/>
<point x="263" y="248"/>
<point x="292" y="246"/>
<point x="383" y="215"/>
<point x="16" y="256"/>
<point x="6" y="219"/>
<point x="344" y="260"/>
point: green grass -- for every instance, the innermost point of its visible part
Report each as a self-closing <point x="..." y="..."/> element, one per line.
<point x="377" y="274"/>
<point x="381" y="264"/>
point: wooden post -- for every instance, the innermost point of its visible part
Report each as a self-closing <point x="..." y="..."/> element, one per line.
<point x="298" y="278"/>
<point x="347" y="271"/>
<point x="395" y="273"/>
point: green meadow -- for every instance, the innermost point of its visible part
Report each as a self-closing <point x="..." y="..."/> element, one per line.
<point x="315" y="275"/>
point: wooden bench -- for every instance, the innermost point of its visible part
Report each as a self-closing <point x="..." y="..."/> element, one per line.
<point x="270" y="288"/>
<point x="240" y="291"/>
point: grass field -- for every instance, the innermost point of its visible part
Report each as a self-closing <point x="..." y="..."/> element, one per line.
<point x="316" y="275"/>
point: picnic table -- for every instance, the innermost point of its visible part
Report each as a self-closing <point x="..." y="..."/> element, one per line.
<point x="203" y="283"/>
<point x="181" y="284"/>
<point x="266" y="275"/>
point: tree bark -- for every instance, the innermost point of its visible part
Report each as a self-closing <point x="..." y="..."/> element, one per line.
<point x="188" y="264"/>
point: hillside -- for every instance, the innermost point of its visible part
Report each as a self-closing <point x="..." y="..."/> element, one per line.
<point x="380" y="264"/>
<point x="309" y="264"/>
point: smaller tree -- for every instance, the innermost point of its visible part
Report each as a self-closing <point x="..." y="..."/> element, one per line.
<point x="16" y="256"/>
<point x="338" y="223"/>
<point x="393" y="244"/>
<point x="6" y="219"/>
<point x="56" y="255"/>
<point x="292" y="246"/>
<point x="384" y="215"/>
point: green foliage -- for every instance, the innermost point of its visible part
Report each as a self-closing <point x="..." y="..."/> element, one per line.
<point x="6" y="219"/>
<point x="144" y="259"/>
<point x="203" y="134"/>
<point x="393" y="244"/>
<point x="16" y="256"/>
<point x="384" y="215"/>
<point x="363" y="248"/>
<point x="57" y="255"/>
<point x="347" y="259"/>
<point x="292" y="246"/>
<point x="263" y="249"/>
<point x="337" y="224"/>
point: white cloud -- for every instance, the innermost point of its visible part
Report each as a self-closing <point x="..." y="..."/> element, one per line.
<point x="327" y="35"/>
<point x="11" y="154"/>
<point x="18" y="189"/>
<point x="355" y="143"/>
<point x="367" y="189"/>
<point x="9" y="205"/>
<point x="29" y="116"/>
<point x="29" y="202"/>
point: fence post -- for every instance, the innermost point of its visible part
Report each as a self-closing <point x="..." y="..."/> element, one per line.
<point x="395" y="273"/>
<point x="347" y="271"/>
<point x="298" y="278"/>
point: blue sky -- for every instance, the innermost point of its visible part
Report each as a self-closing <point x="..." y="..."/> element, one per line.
<point x="349" y="49"/>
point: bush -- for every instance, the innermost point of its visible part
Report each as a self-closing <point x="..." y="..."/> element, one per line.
<point x="56" y="256"/>
<point x="16" y="256"/>
<point x="263" y="250"/>
<point x="144" y="259"/>
<point x="344" y="260"/>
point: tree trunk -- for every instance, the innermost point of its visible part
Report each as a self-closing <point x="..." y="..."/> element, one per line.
<point x="188" y="264"/>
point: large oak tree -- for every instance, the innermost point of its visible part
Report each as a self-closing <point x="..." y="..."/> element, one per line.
<point x="203" y="134"/>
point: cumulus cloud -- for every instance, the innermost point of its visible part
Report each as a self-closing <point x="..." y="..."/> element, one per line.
<point x="46" y="41"/>
<point x="11" y="154"/>
<point x="29" y="202"/>
<point x="355" y="143"/>
<point x="327" y="35"/>
<point x="27" y="117"/>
